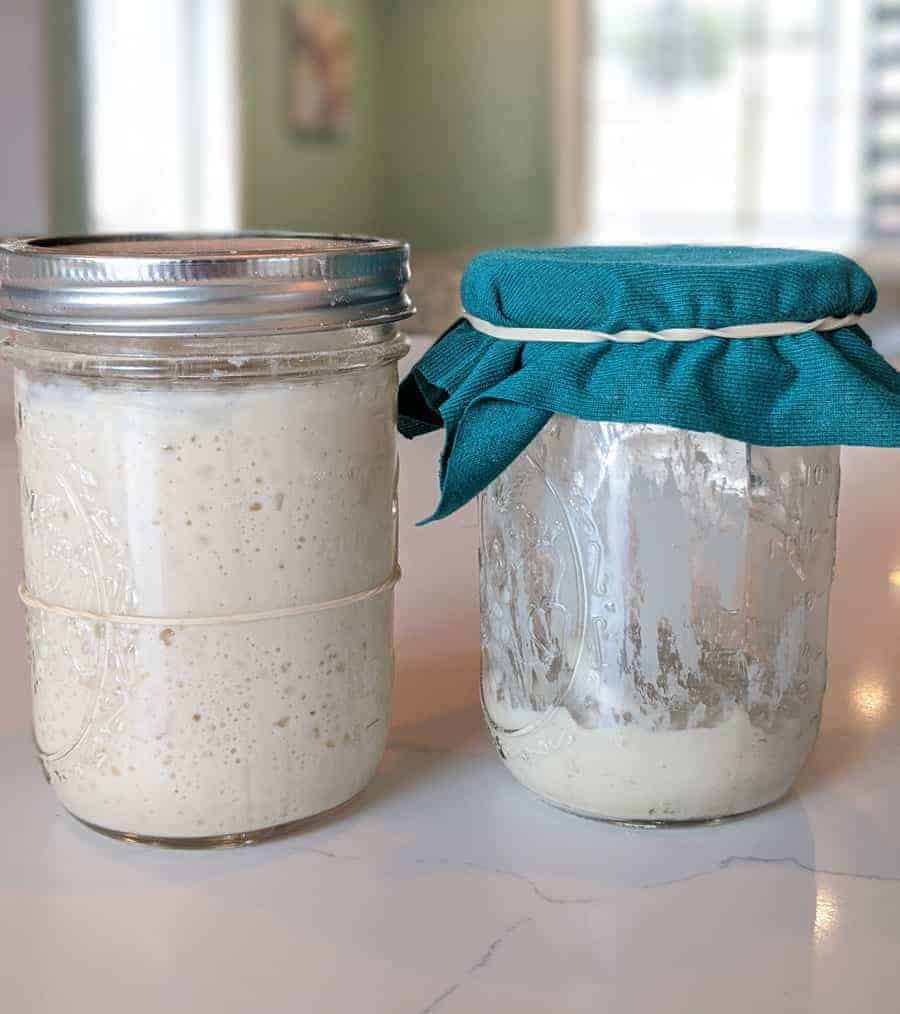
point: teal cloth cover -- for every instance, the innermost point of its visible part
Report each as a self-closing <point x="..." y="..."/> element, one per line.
<point x="492" y="396"/>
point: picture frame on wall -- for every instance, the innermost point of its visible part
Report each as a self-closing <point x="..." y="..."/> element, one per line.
<point x="320" y="71"/>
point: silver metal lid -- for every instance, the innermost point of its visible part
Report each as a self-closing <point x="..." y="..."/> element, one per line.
<point x="202" y="284"/>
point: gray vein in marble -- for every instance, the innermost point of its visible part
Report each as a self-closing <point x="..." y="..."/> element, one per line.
<point x="329" y="855"/>
<point x="727" y="863"/>
<point x="553" y="899"/>
<point x="482" y="962"/>
<point x="819" y="870"/>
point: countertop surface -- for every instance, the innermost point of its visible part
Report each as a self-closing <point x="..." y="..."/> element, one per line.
<point x="447" y="887"/>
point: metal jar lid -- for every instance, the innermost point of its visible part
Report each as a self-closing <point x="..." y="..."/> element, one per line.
<point x="169" y="285"/>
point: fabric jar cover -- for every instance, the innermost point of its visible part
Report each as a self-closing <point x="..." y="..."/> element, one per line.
<point x="492" y="395"/>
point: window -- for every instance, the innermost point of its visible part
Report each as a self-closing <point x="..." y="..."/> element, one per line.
<point x="160" y="107"/>
<point x="724" y="119"/>
<point x="882" y="143"/>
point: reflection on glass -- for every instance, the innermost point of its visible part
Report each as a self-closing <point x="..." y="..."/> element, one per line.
<point x="870" y="698"/>
<point x="894" y="577"/>
<point x="826" y="914"/>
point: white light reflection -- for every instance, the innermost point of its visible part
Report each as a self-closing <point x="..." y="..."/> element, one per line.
<point x="826" y="914"/>
<point x="870" y="698"/>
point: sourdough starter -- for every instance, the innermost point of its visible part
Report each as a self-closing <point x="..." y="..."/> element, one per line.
<point x="208" y="502"/>
<point x="654" y="617"/>
<point x="630" y="773"/>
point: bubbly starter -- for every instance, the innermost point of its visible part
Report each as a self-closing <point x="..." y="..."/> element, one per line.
<point x="213" y="513"/>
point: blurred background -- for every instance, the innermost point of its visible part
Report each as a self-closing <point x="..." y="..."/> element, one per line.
<point x="461" y="124"/>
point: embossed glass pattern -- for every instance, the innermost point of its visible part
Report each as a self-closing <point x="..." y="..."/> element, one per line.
<point x="654" y="617"/>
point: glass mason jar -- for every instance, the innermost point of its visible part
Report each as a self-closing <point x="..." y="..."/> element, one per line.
<point x="208" y="479"/>
<point x="654" y="615"/>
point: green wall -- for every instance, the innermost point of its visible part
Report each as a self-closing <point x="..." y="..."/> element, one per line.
<point x="450" y="145"/>
<point x="466" y="115"/>
<point x="291" y="181"/>
<point x="68" y="197"/>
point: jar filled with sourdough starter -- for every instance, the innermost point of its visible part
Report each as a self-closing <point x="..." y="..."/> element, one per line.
<point x="208" y="486"/>
<point x="654" y="617"/>
<point x="651" y="433"/>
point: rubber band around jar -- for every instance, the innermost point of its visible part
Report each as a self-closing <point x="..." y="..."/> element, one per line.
<point x="32" y="602"/>
<point x="775" y="329"/>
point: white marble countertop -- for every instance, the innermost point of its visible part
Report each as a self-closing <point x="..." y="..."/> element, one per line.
<point x="449" y="888"/>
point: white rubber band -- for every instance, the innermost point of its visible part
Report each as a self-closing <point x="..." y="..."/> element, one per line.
<point x="205" y="621"/>
<point x="777" y="329"/>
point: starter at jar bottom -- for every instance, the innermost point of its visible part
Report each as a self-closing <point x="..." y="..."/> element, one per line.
<point x="631" y="773"/>
<point x="202" y="502"/>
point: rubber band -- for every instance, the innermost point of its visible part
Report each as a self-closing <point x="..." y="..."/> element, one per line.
<point x="776" y="329"/>
<point x="31" y="602"/>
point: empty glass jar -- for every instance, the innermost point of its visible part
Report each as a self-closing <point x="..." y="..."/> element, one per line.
<point x="654" y="617"/>
<point x="208" y="482"/>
